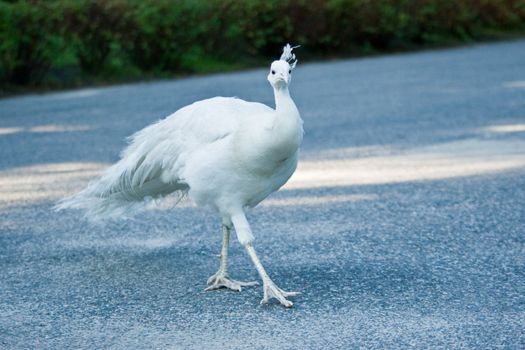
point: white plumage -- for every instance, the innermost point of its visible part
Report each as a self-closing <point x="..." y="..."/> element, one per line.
<point x="223" y="152"/>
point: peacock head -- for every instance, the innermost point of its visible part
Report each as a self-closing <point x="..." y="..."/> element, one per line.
<point x="281" y="70"/>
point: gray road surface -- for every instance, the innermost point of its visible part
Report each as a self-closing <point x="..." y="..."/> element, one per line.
<point x="404" y="226"/>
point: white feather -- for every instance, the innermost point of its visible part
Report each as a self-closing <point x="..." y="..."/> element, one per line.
<point x="224" y="152"/>
<point x="289" y="56"/>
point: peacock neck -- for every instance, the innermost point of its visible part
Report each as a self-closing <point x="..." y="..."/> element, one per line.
<point x="287" y="127"/>
<point x="283" y="102"/>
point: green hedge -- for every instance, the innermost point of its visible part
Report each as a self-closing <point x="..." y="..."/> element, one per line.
<point x="68" y="42"/>
<point x="29" y="41"/>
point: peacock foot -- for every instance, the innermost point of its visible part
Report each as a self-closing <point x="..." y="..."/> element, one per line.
<point x="222" y="280"/>
<point x="272" y="291"/>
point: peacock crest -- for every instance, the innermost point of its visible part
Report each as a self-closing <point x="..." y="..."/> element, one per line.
<point x="289" y="56"/>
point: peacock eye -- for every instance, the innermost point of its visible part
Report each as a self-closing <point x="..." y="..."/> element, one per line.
<point x="290" y="71"/>
<point x="273" y="72"/>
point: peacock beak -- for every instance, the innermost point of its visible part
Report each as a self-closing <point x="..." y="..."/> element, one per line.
<point x="284" y="78"/>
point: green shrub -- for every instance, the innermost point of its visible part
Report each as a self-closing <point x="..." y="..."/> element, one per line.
<point x="115" y="39"/>
<point x="30" y="38"/>
<point x="94" y="28"/>
<point x="161" y="34"/>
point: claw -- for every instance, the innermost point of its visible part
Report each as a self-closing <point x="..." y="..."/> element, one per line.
<point x="223" y="280"/>
<point x="272" y="291"/>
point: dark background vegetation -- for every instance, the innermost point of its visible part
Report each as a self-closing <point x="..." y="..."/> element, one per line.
<point x="64" y="43"/>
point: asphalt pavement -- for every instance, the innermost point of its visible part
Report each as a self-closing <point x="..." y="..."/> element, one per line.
<point x="404" y="226"/>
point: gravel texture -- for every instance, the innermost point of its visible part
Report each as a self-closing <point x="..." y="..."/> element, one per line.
<point x="404" y="226"/>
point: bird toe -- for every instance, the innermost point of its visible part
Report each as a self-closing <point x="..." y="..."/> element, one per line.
<point x="222" y="280"/>
<point x="272" y="291"/>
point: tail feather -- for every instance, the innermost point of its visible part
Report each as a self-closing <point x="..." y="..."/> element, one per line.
<point x="147" y="170"/>
<point x="122" y="191"/>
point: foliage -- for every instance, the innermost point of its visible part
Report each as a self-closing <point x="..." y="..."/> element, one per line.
<point x="163" y="34"/>
<point x="29" y="39"/>
<point x="93" y="28"/>
<point x="115" y="39"/>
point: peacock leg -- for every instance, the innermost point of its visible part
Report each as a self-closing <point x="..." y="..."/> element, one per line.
<point x="270" y="288"/>
<point x="221" y="279"/>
